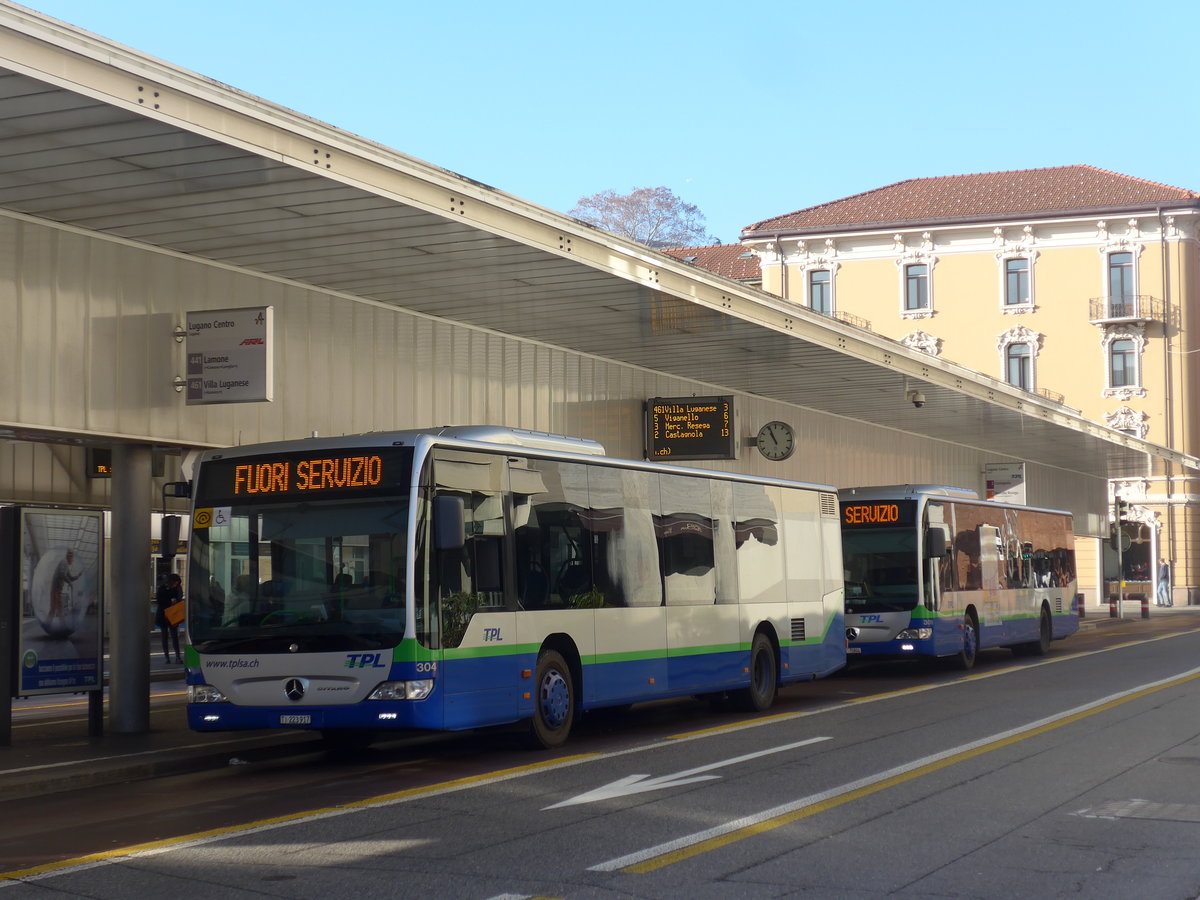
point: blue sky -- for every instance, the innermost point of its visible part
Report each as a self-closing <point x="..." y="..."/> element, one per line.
<point x="746" y="112"/>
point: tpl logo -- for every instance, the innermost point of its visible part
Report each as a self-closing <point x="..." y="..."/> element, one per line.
<point x="251" y="342"/>
<point x="365" y="661"/>
<point x="878" y="620"/>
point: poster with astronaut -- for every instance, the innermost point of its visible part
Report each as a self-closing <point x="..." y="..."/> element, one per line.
<point x="61" y="634"/>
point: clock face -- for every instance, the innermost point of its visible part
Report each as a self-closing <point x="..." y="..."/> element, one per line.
<point x="776" y="440"/>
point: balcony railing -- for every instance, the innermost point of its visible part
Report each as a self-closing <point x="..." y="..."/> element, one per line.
<point x="1131" y="308"/>
<point x="856" y="321"/>
<point x="1054" y="396"/>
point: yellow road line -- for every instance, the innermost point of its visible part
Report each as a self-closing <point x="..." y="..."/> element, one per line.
<point x="202" y="837"/>
<point x="721" y="836"/>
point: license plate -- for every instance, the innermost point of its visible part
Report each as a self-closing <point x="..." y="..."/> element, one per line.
<point x="302" y="719"/>
<point x="854" y="649"/>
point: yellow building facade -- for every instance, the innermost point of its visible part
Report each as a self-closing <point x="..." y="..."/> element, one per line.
<point x="1077" y="284"/>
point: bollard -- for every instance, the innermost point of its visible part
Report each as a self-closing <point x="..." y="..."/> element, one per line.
<point x="1112" y="606"/>
<point x="1145" y="606"/>
<point x="1080" y="606"/>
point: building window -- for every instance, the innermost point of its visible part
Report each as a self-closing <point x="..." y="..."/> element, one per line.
<point x="820" y="291"/>
<point x="1122" y="363"/>
<point x="1018" y="366"/>
<point x="1123" y="346"/>
<point x="916" y="287"/>
<point x="1121" y="290"/>
<point x="1016" y="282"/>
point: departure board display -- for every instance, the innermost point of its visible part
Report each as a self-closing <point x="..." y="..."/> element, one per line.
<point x="690" y="428"/>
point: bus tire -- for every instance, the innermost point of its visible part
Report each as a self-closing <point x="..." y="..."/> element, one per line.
<point x="760" y="695"/>
<point x="965" y="658"/>
<point x="1042" y="644"/>
<point x="553" y="702"/>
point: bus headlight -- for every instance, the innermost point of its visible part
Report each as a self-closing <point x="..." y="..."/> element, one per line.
<point x="403" y="690"/>
<point x="915" y="634"/>
<point x="205" y="693"/>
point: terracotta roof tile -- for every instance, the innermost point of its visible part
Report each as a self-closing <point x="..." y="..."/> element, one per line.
<point x="990" y="195"/>
<point x="731" y="260"/>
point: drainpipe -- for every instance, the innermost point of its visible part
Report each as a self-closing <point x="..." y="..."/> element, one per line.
<point x="1168" y="397"/>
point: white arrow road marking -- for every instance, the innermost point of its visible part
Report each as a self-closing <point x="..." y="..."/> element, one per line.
<point x="637" y="784"/>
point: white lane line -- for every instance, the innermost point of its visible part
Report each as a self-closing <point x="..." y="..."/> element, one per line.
<point x="1000" y="739"/>
<point x="637" y="784"/>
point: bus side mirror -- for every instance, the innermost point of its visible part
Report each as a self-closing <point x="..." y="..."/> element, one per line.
<point x="448" y="523"/>
<point x="935" y="543"/>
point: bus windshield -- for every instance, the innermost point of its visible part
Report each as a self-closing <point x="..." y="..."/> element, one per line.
<point x="299" y="577"/>
<point x="881" y="569"/>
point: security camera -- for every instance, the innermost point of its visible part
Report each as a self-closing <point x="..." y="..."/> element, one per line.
<point x="917" y="398"/>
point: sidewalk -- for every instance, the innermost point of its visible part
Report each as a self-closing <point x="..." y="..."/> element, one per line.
<point x="50" y="755"/>
<point x="1131" y="611"/>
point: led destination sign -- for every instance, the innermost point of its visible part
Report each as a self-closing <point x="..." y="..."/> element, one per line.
<point x="300" y="475"/>
<point x="309" y="475"/>
<point x="880" y="512"/>
<point x="690" y="428"/>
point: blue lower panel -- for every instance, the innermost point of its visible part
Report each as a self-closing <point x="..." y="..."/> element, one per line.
<point x="424" y="714"/>
<point x="1064" y="625"/>
<point x="707" y="672"/>
<point x="626" y="682"/>
<point x="484" y="690"/>
<point x="946" y="640"/>
<point x="807" y="661"/>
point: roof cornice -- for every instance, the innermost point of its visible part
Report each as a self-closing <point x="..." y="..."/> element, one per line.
<point x="1138" y="211"/>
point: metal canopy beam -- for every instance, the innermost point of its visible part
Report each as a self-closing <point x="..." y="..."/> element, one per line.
<point x="101" y="138"/>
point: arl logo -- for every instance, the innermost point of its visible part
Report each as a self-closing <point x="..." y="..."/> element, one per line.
<point x="364" y="661"/>
<point x="251" y="342"/>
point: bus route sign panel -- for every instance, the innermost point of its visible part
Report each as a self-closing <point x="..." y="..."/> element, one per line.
<point x="230" y="356"/>
<point x="690" y="428"/>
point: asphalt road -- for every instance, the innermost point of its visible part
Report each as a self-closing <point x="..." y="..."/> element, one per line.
<point x="1068" y="776"/>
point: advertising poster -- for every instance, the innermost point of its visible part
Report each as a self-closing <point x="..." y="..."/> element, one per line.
<point x="61" y="636"/>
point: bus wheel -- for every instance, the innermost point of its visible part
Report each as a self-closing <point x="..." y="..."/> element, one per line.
<point x="761" y="692"/>
<point x="965" y="658"/>
<point x="1042" y="644"/>
<point x="553" y="702"/>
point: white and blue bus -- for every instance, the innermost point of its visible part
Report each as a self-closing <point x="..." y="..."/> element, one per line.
<point x="936" y="572"/>
<point x="454" y="578"/>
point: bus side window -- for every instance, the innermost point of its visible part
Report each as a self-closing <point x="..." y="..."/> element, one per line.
<point x="551" y="545"/>
<point x="620" y="532"/>
<point x="684" y="531"/>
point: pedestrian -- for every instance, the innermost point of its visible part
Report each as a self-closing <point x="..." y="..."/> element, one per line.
<point x="1164" y="585"/>
<point x="169" y="593"/>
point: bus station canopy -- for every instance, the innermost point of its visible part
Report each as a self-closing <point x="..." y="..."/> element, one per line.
<point x="101" y="138"/>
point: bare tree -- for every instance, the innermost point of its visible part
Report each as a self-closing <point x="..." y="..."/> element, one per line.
<point x="654" y="216"/>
